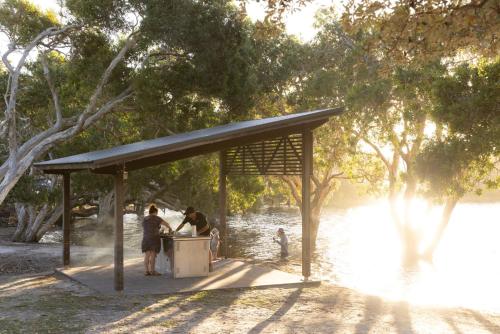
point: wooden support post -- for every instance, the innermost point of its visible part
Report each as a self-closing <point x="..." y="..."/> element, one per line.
<point x="119" y="230"/>
<point x="307" y="166"/>
<point x="66" y="218"/>
<point x="222" y="203"/>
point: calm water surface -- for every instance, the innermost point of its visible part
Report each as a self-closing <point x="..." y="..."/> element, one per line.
<point x="359" y="248"/>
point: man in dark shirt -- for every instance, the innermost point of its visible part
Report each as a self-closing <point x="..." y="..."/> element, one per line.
<point x="197" y="219"/>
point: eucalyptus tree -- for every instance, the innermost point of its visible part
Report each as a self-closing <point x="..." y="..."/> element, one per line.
<point x="161" y="68"/>
<point x="307" y="82"/>
<point x="465" y="156"/>
<point x="383" y="129"/>
<point x="425" y="30"/>
<point x="396" y="102"/>
<point x="94" y="62"/>
<point x="448" y="162"/>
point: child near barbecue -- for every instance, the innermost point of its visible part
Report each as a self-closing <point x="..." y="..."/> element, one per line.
<point x="283" y="242"/>
<point x="214" y="242"/>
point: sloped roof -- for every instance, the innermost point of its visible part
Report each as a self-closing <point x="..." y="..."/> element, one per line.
<point x="156" y="151"/>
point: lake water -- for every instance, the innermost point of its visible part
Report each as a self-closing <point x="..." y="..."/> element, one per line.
<point x="359" y="248"/>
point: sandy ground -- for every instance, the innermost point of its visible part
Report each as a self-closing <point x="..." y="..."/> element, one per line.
<point x="35" y="300"/>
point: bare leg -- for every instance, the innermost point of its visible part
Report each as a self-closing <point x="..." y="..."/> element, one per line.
<point x="210" y="265"/>
<point x="153" y="261"/>
<point x="216" y="252"/>
<point x="146" y="261"/>
<point x="149" y="261"/>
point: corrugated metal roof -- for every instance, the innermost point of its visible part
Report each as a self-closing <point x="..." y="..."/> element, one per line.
<point x="152" y="152"/>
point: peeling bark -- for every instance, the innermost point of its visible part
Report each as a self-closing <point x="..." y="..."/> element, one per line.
<point x="21" y="221"/>
<point x="35" y="222"/>
<point x="22" y="156"/>
<point x="50" y="222"/>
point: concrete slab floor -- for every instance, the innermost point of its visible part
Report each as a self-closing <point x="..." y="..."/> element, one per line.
<point x="227" y="274"/>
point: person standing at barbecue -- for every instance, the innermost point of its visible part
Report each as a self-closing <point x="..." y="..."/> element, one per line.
<point x="151" y="242"/>
<point x="195" y="218"/>
<point x="198" y="219"/>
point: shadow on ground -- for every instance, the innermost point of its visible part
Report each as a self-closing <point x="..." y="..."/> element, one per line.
<point x="46" y="303"/>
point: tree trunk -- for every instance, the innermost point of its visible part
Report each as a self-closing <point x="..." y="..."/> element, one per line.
<point x="315" y="220"/>
<point x="139" y="208"/>
<point x="21" y="221"/>
<point x="410" y="238"/>
<point x="321" y="191"/>
<point x="35" y="222"/>
<point x="52" y="219"/>
<point x="449" y="206"/>
<point x="106" y="208"/>
<point x="393" y="204"/>
<point x="22" y="155"/>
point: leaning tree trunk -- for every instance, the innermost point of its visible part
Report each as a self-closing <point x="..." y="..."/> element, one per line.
<point x="53" y="218"/>
<point x="21" y="221"/>
<point x="35" y="221"/>
<point x="449" y="206"/>
<point x="29" y="221"/>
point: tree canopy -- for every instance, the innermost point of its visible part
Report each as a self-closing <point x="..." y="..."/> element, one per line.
<point x="419" y="81"/>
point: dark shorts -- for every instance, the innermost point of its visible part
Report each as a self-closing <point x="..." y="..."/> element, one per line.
<point x="151" y="244"/>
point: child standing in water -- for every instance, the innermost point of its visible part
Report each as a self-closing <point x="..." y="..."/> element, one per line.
<point x="283" y="242"/>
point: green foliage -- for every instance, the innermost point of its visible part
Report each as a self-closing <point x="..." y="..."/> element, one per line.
<point x="450" y="169"/>
<point x="106" y="14"/>
<point x="418" y="31"/>
<point x="201" y="71"/>
<point x="204" y="68"/>
<point x="466" y="102"/>
<point x="244" y="192"/>
<point x="205" y="46"/>
<point x="35" y="190"/>
<point x="22" y="21"/>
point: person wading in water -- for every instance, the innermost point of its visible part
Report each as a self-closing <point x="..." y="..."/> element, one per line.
<point x="151" y="242"/>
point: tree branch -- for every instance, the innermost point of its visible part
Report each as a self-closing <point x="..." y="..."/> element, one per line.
<point x="107" y="107"/>
<point x="104" y="80"/>
<point x="315" y="180"/>
<point x="10" y="118"/>
<point x="294" y="189"/>
<point x="378" y="151"/>
<point x="55" y="96"/>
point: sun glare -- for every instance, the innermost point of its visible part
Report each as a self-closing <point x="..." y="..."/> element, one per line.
<point x="464" y="272"/>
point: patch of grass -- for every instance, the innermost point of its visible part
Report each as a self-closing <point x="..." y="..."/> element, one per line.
<point x="168" y="324"/>
<point x="55" y="313"/>
<point x="158" y="304"/>
<point x="10" y="326"/>
<point x="201" y="296"/>
<point x="48" y="324"/>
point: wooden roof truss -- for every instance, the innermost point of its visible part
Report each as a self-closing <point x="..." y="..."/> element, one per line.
<point x="277" y="156"/>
